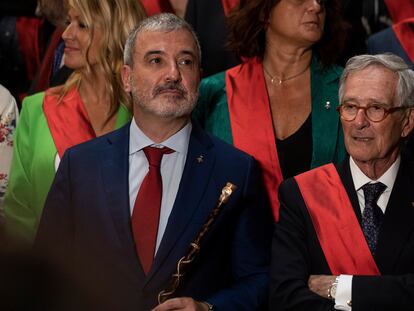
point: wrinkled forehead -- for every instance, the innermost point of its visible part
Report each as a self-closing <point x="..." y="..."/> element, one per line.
<point x="169" y="42"/>
<point x="372" y="81"/>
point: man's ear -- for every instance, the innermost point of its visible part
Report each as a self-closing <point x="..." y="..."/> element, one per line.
<point x="126" y="72"/>
<point x="408" y="123"/>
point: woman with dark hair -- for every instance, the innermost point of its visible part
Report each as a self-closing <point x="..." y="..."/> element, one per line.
<point x="279" y="104"/>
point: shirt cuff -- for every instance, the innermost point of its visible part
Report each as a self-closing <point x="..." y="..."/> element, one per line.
<point x="343" y="296"/>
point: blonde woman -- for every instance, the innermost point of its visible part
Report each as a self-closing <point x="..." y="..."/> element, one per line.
<point x="91" y="103"/>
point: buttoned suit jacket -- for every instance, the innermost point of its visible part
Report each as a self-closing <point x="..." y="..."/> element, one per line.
<point x="86" y="228"/>
<point x="297" y="254"/>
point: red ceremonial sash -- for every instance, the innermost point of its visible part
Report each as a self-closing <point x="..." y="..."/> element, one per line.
<point x="228" y="5"/>
<point x="251" y="123"/>
<point x="336" y="225"/>
<point x="405" y="34"/>
<point x="153" y="7"/>
<point x="28" y="31"/>
<point x="68" y="120"/>
<point x="400" y="9"/>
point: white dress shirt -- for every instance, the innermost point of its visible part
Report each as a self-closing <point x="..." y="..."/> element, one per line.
<point x="344" y="287"/>
<point x="172" y="167"/>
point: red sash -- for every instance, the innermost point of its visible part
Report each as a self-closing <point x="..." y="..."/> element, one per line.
<point x="28" y="31"/>
<point x="405" y="34"/>
<point x="153" y="7"/>
<point x="68" y="120"/>
<point x="339" y="233"/>
<point x="400" y="9"/>
<point x="228" y="5"/>
<point x="251" y="123"/>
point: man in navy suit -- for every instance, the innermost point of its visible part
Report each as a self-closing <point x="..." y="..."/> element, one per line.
<point x="345" y="238"/>
<point x="89" y="224"/>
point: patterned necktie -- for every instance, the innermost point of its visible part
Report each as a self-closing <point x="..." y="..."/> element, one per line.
<point x="372" y="216"/>
<point x="146" y="213"/>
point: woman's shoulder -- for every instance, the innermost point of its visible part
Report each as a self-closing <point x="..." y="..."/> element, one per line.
<point x="325" y="76"/>
<point x="33" y="103"/>
<point x="34" y="99"/>
<point x="215" y="81"/>
<point x="7" y="101"/>
<point x="336" y="70"/>
<point x="331" y="72"/>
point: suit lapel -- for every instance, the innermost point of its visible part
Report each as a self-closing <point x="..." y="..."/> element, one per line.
<point x="345" y="173"/>
<point x="115" y="164"/>
<point x="398" y="222"/>
<point x="194" y="182"/>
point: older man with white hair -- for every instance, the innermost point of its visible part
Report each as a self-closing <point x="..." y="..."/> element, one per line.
<point x="345" y="240"/>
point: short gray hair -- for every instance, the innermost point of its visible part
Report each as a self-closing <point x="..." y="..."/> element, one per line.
<point x="164" y="22"/>
<point x="404" y="95"/>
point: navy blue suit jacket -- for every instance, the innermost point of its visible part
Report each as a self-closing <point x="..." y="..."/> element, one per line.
<point x="385" y="41"/>
<point x="86" y="228"/>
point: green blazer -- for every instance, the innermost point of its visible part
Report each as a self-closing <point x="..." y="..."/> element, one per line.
<point x="33" y="168"/>
<point x="213" y="114"/>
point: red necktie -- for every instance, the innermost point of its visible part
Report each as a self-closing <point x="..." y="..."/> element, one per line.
<point x="146" y="213"/>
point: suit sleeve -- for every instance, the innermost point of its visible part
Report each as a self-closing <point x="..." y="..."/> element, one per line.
<point x="385" y="292"/>
<point x="251" y="251"/>
<point x="54" y="238"/>
<point x="291" y="263"/>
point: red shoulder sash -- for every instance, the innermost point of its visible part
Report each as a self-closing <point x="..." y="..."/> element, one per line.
<point x="400" y="9"/>
<point x="228" y="5"/>
<point x="68" y="120"/>
<point x="339" y="233"/>
<point x="251" y="123"/>
<point x="28" y="30"/>
<point x="153" y="7"/>
<point x="405" y="34"/>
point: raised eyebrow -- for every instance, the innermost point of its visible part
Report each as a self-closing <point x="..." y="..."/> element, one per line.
<point x="188" y="52"/>
<point x="153" y="52"/>
<point x="372" y="101"/>
<point x="349" y="99"/>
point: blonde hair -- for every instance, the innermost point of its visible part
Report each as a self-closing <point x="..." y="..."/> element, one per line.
<point x="116" y="19"/>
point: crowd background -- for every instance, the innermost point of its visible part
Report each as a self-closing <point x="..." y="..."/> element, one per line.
<point x="32" y="48"/>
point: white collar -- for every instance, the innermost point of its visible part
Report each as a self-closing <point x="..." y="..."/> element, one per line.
<point x="388" y="178"/>
<point x="177" y="142"/>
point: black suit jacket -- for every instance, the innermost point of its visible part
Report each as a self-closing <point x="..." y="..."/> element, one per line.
<point x="297" y="254"/>
<point x="212" y="33"/>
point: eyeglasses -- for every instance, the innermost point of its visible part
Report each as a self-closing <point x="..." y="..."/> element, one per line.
<point x="374" y="113"/>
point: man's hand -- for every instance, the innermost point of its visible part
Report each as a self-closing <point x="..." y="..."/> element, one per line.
<point x="320" y="284"/>
<point x="182" y="303"/>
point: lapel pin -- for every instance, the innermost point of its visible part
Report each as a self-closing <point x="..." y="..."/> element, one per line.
<point x="200" y="159"/>
<point x="327" y="105"/>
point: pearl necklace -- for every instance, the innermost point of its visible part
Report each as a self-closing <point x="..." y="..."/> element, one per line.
<point x="280" y="80"/>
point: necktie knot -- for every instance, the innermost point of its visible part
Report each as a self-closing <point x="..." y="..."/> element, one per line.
<point x="372" y="192"/>
<point x="154" y="155"/>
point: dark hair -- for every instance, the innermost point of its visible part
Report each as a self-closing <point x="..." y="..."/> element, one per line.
<point x="247" y="30"/>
